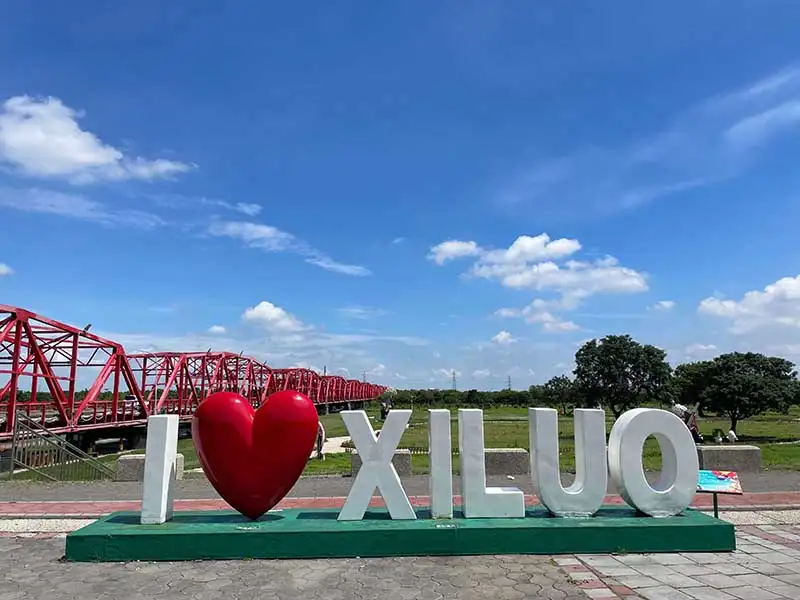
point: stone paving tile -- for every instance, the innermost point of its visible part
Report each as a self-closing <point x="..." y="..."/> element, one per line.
<point x="708" y="593"/>
<point x="749" y="592"/>
<point x="787" y="591"/>
<point x="664" y="592"/>
<point x="765" y="566"/>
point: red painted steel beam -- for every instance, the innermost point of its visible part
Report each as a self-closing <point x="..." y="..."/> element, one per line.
<point x="42" y="360"/>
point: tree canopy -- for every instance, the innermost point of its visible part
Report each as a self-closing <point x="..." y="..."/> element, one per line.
<point x="738" y="385"/>
<point x="619" y="373"/>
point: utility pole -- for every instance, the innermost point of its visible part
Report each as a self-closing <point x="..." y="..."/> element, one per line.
<point x="364" y="377"/>
<point x="509" y="382"/>
<point x="324" y="370"/>
<point x="454" y="380"/>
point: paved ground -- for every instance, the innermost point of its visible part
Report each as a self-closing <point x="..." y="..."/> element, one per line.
<point x="31" y="570"/>
<point x="766" y="566"/>
<point x="311" y="487"/>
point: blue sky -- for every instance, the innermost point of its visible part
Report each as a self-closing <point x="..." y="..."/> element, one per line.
<point x="405" y="189"/>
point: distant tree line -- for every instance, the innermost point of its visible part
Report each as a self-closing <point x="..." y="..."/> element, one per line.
<point x="618" y="373"/>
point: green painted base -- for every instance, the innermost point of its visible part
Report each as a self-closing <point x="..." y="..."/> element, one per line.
<point x="306" y="533"/>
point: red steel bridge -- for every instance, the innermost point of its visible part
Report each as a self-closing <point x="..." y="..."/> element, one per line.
<point x="43" y="363"/>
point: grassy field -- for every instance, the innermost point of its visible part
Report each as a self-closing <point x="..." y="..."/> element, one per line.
<point x="508" y="428"/>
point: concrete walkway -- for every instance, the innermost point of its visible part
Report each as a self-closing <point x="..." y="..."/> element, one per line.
<point x="326" y="486"/>
<point x="765" y="566"/>
<point x="767" y="501"/>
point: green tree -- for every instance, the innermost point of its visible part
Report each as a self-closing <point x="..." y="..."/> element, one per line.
<point x="689" y="383"/>
<point x="740" y="385"/>
<point x="560" y="392"/>
<point x="619" y="373"/>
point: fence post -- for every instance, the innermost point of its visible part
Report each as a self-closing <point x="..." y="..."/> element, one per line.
<point x="12" y="460"/>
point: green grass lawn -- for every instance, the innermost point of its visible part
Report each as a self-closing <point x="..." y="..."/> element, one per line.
<point x="508" y="428"/>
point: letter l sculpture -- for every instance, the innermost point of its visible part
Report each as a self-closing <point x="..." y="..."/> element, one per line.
<point x="481" y="501"/>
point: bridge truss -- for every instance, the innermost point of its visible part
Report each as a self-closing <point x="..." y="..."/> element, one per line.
<point x="70" y="380"/>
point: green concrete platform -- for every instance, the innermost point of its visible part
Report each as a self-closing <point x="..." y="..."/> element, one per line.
<point x="315" y="533"/>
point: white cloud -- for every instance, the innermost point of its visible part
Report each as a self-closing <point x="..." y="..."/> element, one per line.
<point x="361" y="312"/>
<point x="181" y="202"/>
<point x="217" y="330"/>
<point x="273" y="318"/>
<point x="574" y="279"/>
<point x="272" y="239"/>
<point x="712" y="141"/>
<point x="523" y="250"/>
<point x="327" y="263"/>
<point x="5" y="270"/>
<point x="540" y="311"/>
<point x="75" y="206"/>
<point x="255" y="235"/>
<point x="503" y="338"/>
<point x="664" y="305"/>
<point x="481" y="373"/>
<point x="398" y="240"/>
<point x="777" y="305"/>
<point x="452" y="249"/>
<point x="551" y="323"/>
<point x="695" y="351"/>
<point x="248" y="209"/>
<point x="377" y="370"/>
<point x="446" y="373"/>
<point x="41" y="137"/>
<point x="530" y="263"/>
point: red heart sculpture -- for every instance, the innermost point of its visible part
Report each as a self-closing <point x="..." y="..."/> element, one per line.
<point x="254" y="457"/>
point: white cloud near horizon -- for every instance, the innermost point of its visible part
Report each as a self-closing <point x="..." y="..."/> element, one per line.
<point x="776" y="306"/>
<point x="5" y="270"/>
<point x="41" y="137"/>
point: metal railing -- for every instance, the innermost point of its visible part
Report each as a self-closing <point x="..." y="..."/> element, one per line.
<point x="38" y="454"/>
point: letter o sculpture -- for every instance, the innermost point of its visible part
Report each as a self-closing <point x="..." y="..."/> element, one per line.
<point x="677" y="484"/>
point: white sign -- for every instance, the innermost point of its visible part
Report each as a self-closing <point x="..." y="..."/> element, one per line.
<point x="622" y="460"/>
<point x="672" y="494"/>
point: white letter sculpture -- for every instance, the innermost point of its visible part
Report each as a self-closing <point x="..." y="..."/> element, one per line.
<point x="677" y="484"/>
<point x="478" y="500"/>
<point x="377" y="469"/>
<point x="441" y="478"/>
<point x="585" y="496"/>
<point x="160" y="453"/>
